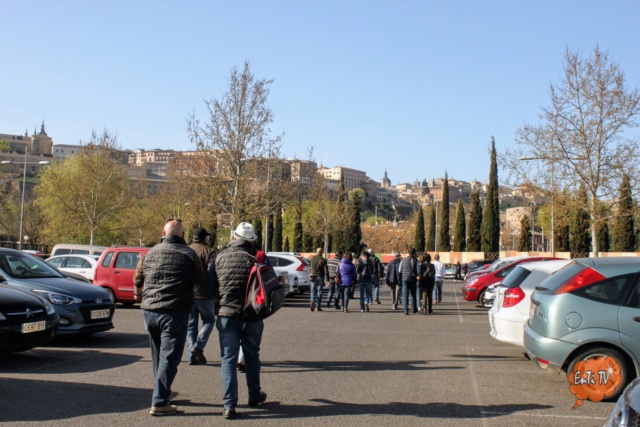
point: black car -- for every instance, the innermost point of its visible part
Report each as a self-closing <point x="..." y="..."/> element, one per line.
<point x="26" y="320"/>
<point x="83" y="308"/>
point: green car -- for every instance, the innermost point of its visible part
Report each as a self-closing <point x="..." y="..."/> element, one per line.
<point x="589" y="308"/>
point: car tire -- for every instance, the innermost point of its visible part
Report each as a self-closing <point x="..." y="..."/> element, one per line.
<point x="619" y="358"/>
<point x="483" y="302"/>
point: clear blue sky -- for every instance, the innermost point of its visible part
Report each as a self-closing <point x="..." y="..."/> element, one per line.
<point x="413" y="87"/>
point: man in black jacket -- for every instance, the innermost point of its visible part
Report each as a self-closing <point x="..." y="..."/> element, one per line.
<point x="229" y="274"/>
<point x="164" y="281"/>
<point x="408" y="274"/>
<point x="393" y="279"/>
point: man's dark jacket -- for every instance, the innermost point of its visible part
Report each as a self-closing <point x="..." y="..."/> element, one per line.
<point x="409" y="269"/>
<point x="204" y="253"/>
<point x="230" y="273"/>
<point x="393" y="275"/>
<point x="169" y="272"/>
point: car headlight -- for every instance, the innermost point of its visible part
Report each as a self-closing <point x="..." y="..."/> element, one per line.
<point x="49" y="307"/>
<point x="2" y="317"/>
<point x="58" y="299"/>
<point x="471" y="282"/>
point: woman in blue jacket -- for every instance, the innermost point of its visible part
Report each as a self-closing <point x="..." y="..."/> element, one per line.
<point x="348" y="276"/>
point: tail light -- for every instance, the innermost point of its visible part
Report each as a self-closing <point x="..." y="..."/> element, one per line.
<point x="512" y="296"/>
<point x="582" y="279"/>
<point x="302" y="266"/>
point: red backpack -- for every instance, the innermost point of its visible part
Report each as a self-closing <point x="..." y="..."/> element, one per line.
<point x="265" y="294"/>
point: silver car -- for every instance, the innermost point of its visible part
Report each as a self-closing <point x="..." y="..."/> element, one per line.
<point x="626" y="413"/>
<point x="296" y="266"/>
<point x="589" y="308"/>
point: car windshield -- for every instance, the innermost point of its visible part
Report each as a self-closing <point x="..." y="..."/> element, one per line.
<point x="516" y="277"/>
<point x="496" y="265"/>
<point x="24" y="266"/>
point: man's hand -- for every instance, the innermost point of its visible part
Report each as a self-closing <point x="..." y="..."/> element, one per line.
<point x="137" y="294"/>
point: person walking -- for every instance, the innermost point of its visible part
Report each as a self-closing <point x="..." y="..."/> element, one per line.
<point x="375" y="276"/>
<point x="320" y="272"/>
<point x="229" y="274"/>
<point x="164" y="281"/>
<point x="458" y="271"/>
<point x="204" y="306"/>
<point x="348" y="274"/>
<point x="426" y="283"/>
<point x="408" y="275"/>
<point x="334" y="289"/>
<point x="365" y="273"/>
<point x="440" y="272"/>
<point x="393" y="279"/>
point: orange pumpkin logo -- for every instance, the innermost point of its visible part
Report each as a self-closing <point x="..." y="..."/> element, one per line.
<point x="594" y="378"/>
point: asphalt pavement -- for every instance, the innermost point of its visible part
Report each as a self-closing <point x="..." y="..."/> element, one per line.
<point x="325" y="368"/>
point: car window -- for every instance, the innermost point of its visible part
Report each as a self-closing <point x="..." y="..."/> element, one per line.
<point x="74" y="262"/>
<point x="634" y="297"/>
<point x="506" y="271"/>
<point x="517" y="276"/>
<point x="80" y="251"/>
<point x="560" y="277"/>
<point x="608" y="291"/>
<point x="127" y="260"/>
<point x="283" y="262"/>
<point x="56" y="262"/>
<point x="273" y="260"/>
<point x="25" y="266"/>
<point x="107" y="259"/>
<point x="86" y="264"/>
<point x="63" y="251"/>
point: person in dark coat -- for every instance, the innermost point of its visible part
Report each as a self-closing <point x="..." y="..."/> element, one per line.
<point x="348" y="274"/>
<point x="393" y="279"/>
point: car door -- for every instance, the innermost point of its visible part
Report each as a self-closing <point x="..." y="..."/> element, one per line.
<point x="121" y="276"/>
<point x="78" y="265"/>
<point x="629" y="320"/>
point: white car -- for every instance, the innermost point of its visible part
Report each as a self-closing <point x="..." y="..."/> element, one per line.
<point x="84" y="265"/>
<point x="512" y="302"/>
<point x="297" y="267"/>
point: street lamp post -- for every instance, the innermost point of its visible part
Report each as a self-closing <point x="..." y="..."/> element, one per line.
<point x="24" y="180"/>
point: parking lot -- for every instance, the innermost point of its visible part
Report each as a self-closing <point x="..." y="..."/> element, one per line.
<point x="319" y="369"/>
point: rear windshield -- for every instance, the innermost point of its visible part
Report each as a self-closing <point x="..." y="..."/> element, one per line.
<point x="516" y="277"/>
<point x="560" y="277"/>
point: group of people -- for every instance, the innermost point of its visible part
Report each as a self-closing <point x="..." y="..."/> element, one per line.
<point x="178" y="284"/>
<point x="416" y="276"/>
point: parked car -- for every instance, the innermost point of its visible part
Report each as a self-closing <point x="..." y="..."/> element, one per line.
<point x="626" y="413"/>
<point x="71" y="248"/>
<point x="474" y="288"/>
<point x="510" y="310"/>
<point x="450" y="271"/>
<point x="478" y="264"/>
<point x="296" y="266"/>
<point x="115" y="271"/>
<point x="589" y="308"/>
<point x="26" y="320"/>
<point x="83" y="308"/>
<point x="84" y="265"/>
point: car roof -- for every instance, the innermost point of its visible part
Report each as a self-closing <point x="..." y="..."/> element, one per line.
<point x="615" y="260"/>
<point x="545" y="266"/>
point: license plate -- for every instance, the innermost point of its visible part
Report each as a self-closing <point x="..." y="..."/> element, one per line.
<point x="33" y="327"/>
<point x="99" y="314"/>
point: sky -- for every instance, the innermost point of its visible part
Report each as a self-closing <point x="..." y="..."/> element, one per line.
<point x="412" y="87"/>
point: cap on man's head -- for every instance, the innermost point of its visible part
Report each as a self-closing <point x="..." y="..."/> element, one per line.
<point x="244" y="231"/>
<point x="396" y="254"/>
<point x="200" y="234"/>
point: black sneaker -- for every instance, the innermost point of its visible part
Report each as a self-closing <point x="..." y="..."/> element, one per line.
<point x="259" y="400"/>
<point x="241" y="367"/>
<point x="229" y="414"/>
<point x="198" y="356"/>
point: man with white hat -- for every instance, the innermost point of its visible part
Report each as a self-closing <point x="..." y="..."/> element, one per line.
<point x="229" y="274"/>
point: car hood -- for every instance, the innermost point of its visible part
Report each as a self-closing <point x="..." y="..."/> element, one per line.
<point x="63" y="285"/>
<point x="11" y="297"/>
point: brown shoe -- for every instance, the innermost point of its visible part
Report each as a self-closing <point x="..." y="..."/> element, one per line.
<point x="163" y="410"/>
<point x="313" y="306"/>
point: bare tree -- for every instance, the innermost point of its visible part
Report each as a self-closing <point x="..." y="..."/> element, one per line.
<point x="583" y="136"/>
<point x="238" y="158"/>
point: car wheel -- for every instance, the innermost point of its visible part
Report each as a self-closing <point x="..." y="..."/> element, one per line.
<point x="112" y="295"/>
<point x="128" y="304"/>
<point x="615" y="355"/>
<point x="486" y="303"/>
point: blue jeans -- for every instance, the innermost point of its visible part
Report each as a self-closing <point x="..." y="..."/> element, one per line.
<point x="333" y="290"/>
<point x="206" y="309"/>
<point x="437" y="290"/>
<point x="316" y="290"/>
<point x="409" y="287"/>
<point x="365" y="287"/>
<point x="167" y="334"/>
<point x="346" y="294"/>
<point x="376" y="286"/>
<point x="233" y="334"/>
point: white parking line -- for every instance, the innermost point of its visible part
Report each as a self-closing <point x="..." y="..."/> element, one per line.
<point x="476" y="389"/>
<point x="542" y="415"/>
<point x="455" y="297"/>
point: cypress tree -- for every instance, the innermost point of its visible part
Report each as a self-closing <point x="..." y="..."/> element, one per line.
<point x="257" y="229"/>
<point x="581" y="236"/>
<point x="285" y="245"/>
<point x="269" y="239"/>
<point x="562" y="236"/>
<point x="431" y="230"/>
<point x="277" y="228"/>
<point x="474" y="242"/>
<point x="444" y="238"/>
<point x="460" y="235"/>
<point x="297" y="237"/>
<point x="491" y="214"/>
<point x="604" y="242"/>
<point x="624" y="236"/>
<point x="419" y="241"/>
<point x="525" y="234"/>
<point x="354" y="232"/>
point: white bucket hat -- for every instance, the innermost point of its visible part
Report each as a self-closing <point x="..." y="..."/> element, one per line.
<point x="245" y="231"/>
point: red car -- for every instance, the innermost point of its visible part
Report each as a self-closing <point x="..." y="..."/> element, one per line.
<point x="115" y="271"/>
<point x="476" y="285"/>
